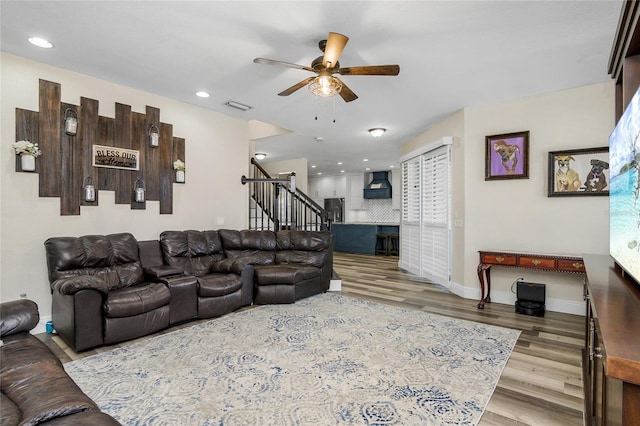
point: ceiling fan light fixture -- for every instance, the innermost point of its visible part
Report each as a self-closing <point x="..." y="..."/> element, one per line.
<point x="260" y="155"/>
<point x="377" y="132"/>
<point x="325" y="86"/>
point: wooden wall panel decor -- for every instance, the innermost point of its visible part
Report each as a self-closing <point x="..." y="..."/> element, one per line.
<point x="166" y="168"/>
<point x="152" y="157"/>
<point x="67" y="160"/>
<point x="49" y="142"/>
<point x="178" y="154"/>
<point x="26" y="130"/>
<point x="139" y="140"/>
<point x="123" y="140"/>
<point x="70" y="168"/>
<point x="106" y="136"/>
<point x="87" y="137"/>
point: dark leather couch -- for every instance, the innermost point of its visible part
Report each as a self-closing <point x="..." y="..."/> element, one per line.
<point x="111" y="288"/>
<point x="35" y="387"/>
<point x="100" y="293"/>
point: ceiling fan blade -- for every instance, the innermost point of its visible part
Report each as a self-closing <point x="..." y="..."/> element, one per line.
<point x="296" y="86"/>
<point x="335" y="45"/>
<point x="285" y="64"/>
<point x="346" y="93"/>
<point x="371" y="70"/>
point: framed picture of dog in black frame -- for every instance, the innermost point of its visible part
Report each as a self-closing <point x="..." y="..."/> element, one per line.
<point x="507" y="156"/>
<point x="579" y="172"/>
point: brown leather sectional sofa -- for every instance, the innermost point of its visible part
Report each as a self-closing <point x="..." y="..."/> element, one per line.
<point x="35" y="387"/>
<point x="111" y="288"/>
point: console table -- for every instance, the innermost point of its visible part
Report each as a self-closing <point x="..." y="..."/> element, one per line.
<point x="540" y="262"/>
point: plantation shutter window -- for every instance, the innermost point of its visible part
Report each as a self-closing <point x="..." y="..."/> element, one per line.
<point x="425" y="229"/>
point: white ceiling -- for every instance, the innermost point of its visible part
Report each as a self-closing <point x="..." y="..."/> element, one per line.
<point x="452" y="55"/>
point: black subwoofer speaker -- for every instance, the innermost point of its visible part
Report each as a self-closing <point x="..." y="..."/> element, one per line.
<point x="531" y="298"/>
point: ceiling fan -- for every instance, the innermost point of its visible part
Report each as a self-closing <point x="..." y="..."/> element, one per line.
<point x="325" y="83"/>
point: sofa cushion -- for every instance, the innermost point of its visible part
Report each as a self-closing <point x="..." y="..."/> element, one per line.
<point x="22" y="349"/>
<point x="44" y="391"/>
<point x="192" y="251"/>
<point x="253" y="247"/>
<point x="113" y="258"/>
<point x="308" y="247"/>
<point x="303" y="240"/>
<point x="214" y="285"/>
<point x="285" y="274"/>
<point x="136" y="300"/>
<point x="10" y="413"/>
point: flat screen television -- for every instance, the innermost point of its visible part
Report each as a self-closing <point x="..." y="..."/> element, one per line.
<point x="624" y="190"/>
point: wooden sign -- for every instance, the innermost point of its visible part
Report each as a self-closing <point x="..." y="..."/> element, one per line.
<point x="116" y="158"/>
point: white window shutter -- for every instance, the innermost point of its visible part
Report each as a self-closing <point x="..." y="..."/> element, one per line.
<point x="425" y="233"/>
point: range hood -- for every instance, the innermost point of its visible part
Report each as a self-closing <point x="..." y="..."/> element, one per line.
<point x="379" y="187"/>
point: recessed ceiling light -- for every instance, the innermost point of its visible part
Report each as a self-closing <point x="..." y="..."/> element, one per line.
<point x="260" y="155"/>
<point x="391" y="166"/>
<point x="319" y="138"/>
<point x="368" y="168"/>
<point x="319" y="173"/>
<point x="365" y="159"/>
<point x="313" y="166"/>
<point x="40" y="42"/>
<point x="202" y="94"/>
<point x="339" y="163"/>
<point x="341" y="171"/>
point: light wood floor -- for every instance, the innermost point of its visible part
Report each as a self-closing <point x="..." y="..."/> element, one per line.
<point x="542" y="381"/>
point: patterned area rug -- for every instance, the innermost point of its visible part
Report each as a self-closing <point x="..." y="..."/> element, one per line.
<point x="325" y="360"/>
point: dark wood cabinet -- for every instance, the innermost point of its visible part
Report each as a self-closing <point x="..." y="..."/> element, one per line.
<point x="611" y="355"/>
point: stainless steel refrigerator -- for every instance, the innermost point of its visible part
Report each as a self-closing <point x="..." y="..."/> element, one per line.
<point x="335" y="207"/>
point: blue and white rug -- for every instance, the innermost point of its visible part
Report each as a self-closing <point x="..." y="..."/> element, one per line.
<point x="325" y="360"/>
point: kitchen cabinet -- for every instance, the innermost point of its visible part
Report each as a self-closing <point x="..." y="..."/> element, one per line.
<point x="322" y="187"/>
<point x="355" y="195"/>
<point x="396" y="193"/>
<point x="359" y="237"/>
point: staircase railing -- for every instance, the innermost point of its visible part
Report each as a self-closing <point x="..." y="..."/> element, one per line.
<point x="278" y="204"/>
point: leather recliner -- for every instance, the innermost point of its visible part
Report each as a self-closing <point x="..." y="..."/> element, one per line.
<point x="223" y="285"/>
<point x="35" y="387"/>
<point x="100" y="293"/>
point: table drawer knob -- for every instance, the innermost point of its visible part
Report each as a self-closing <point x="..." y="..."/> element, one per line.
<point x="536" y="262"/>
<point x="499" y="259"/>
<point x="578" y="265"/>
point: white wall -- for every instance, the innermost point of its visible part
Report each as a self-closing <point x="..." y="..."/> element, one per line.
<point x="517" y="215"/>
<point x="298" y="165"/>
<point x="217" y="152"/>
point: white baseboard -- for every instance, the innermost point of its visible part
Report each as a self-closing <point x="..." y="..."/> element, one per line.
<point x="508" y="298"/>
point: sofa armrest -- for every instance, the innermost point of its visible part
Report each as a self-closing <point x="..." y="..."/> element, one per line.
<point x="72" y="285"/>
<point x="18" y="316"/>
<point x="162" y="271"/>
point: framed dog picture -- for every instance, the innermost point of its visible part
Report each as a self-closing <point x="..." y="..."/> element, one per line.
<point x="579" y="172"/>
<point x="507" y="156"/>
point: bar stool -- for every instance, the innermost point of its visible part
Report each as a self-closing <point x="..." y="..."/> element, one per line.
<point x="382" y="244"/>
<point x="393" y="245"/>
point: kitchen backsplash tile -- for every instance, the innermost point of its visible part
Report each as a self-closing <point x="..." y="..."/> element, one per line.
<point x="379" y="210"/>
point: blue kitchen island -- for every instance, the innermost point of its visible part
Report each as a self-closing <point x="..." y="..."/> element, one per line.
<point x="360" y="237"/>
